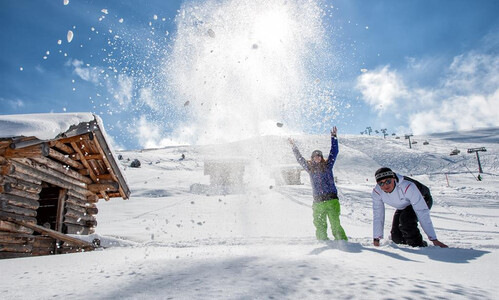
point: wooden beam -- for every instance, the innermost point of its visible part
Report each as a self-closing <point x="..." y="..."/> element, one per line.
<point x="65" y="159"/>
<point x="61" y="146"/>
<point x="56" y="235"/>
<point x="31" y="151"/>
<point x="59" y="217"/>
<point x="108" y="187"/>
<point x="93" y="156"/>
<point x="84" y="137"/>
<point x="84" y="162"/>
<point x="61" y="202"/>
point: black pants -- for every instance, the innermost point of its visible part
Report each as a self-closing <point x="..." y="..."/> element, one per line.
<point x="405" y="228"/>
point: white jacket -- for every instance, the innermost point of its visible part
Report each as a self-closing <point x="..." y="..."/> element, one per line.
<point x="404" y="194"/>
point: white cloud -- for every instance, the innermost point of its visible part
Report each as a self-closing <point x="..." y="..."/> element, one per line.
<point x="85" y="73"/>
<point x="382" y="88"/>
<point x="150" y="135"/>
<point x="467" y="97"/>
<point x="13" y="103"/>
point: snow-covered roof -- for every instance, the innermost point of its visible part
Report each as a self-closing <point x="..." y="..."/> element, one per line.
<point x="41" y="126"/>
<point x="31" y="129"/>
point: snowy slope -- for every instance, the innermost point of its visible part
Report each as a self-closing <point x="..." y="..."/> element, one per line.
<point x="167" y="242"/>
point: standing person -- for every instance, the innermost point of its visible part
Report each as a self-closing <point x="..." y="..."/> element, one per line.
<point x="412" y="201"/>
<point x="326" y="203"/>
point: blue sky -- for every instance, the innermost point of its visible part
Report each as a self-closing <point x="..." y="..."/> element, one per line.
<point x="168" y="72"/>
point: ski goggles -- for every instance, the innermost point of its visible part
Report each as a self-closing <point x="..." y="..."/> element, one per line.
<point x="382" y="183"/>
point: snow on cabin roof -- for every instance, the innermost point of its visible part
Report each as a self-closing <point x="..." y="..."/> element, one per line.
<point x="42" y="126"/>
<point x="51" y="126"/>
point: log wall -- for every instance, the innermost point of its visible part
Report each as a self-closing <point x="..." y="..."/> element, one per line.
<point x="22" y="181"/>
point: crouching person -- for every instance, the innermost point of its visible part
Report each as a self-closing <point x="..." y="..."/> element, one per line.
<point x="406" y="195"/>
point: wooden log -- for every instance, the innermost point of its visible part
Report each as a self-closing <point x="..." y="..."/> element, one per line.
<point x="7" y="255"/>
<point x="21" y="184"/>
<point x="56" y="235"/>
<point x="52" y="176"/>
<point x="43" y="241"/>
<point x="6" y="207"/>
<point x="12" y="227"/>
<point x="93" y="199"/>
<point x="24" y="194"/>
<point x="7" y="169"/>
<point x="77" y="208"/>
<point x="77" y="229"/>
<point x="79" y="221"/>
<point x="108" y="186"/>
<point x="78" y="202"/>
<point x="26" y="177"/>
<point x="92" y="210"/>
<point x="24" y="165"/>
<point x="5" y="187"/>
<point x="20" y="201"/>
<point x="25" y="248"/>
<point x="31" y="151"/>
<point x="42" y="251"/>
<point x="65" y="159"/>
<point x="14" y="218"/>
<point x="75" y="194"/>
<point x="61" y="146"/>
<point x="15" y="238"/>
<point x="78" y="215"/>
<point x="62" y="169"/>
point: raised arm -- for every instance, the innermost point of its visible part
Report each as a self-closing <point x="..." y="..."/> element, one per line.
<point x="333" y="153"/>
<point x="298" y="155"/>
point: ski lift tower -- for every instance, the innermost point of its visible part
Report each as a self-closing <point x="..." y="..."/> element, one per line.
<point x="408" y="137"/>
<point x="476" y="150"/>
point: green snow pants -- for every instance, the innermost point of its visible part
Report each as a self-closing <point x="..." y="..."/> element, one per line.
<point x="328" y="209"/>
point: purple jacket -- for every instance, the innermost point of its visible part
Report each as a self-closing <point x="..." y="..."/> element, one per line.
<point x="322" y="181"/>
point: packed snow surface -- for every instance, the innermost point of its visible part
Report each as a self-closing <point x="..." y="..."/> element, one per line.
<point x="173" y="241"/>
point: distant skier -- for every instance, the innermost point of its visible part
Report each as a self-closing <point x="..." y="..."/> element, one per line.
<point x="326" y="203"/>
<point x="412" y="201"/>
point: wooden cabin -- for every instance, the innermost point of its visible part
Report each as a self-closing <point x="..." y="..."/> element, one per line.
<point x="49" y="186"/>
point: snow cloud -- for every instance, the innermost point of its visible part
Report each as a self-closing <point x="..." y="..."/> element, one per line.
<point x="123" y="90"/>
<point x="467" y="97"/>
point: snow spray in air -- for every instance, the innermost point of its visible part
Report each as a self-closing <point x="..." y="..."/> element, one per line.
<point x="245" y="69"/>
